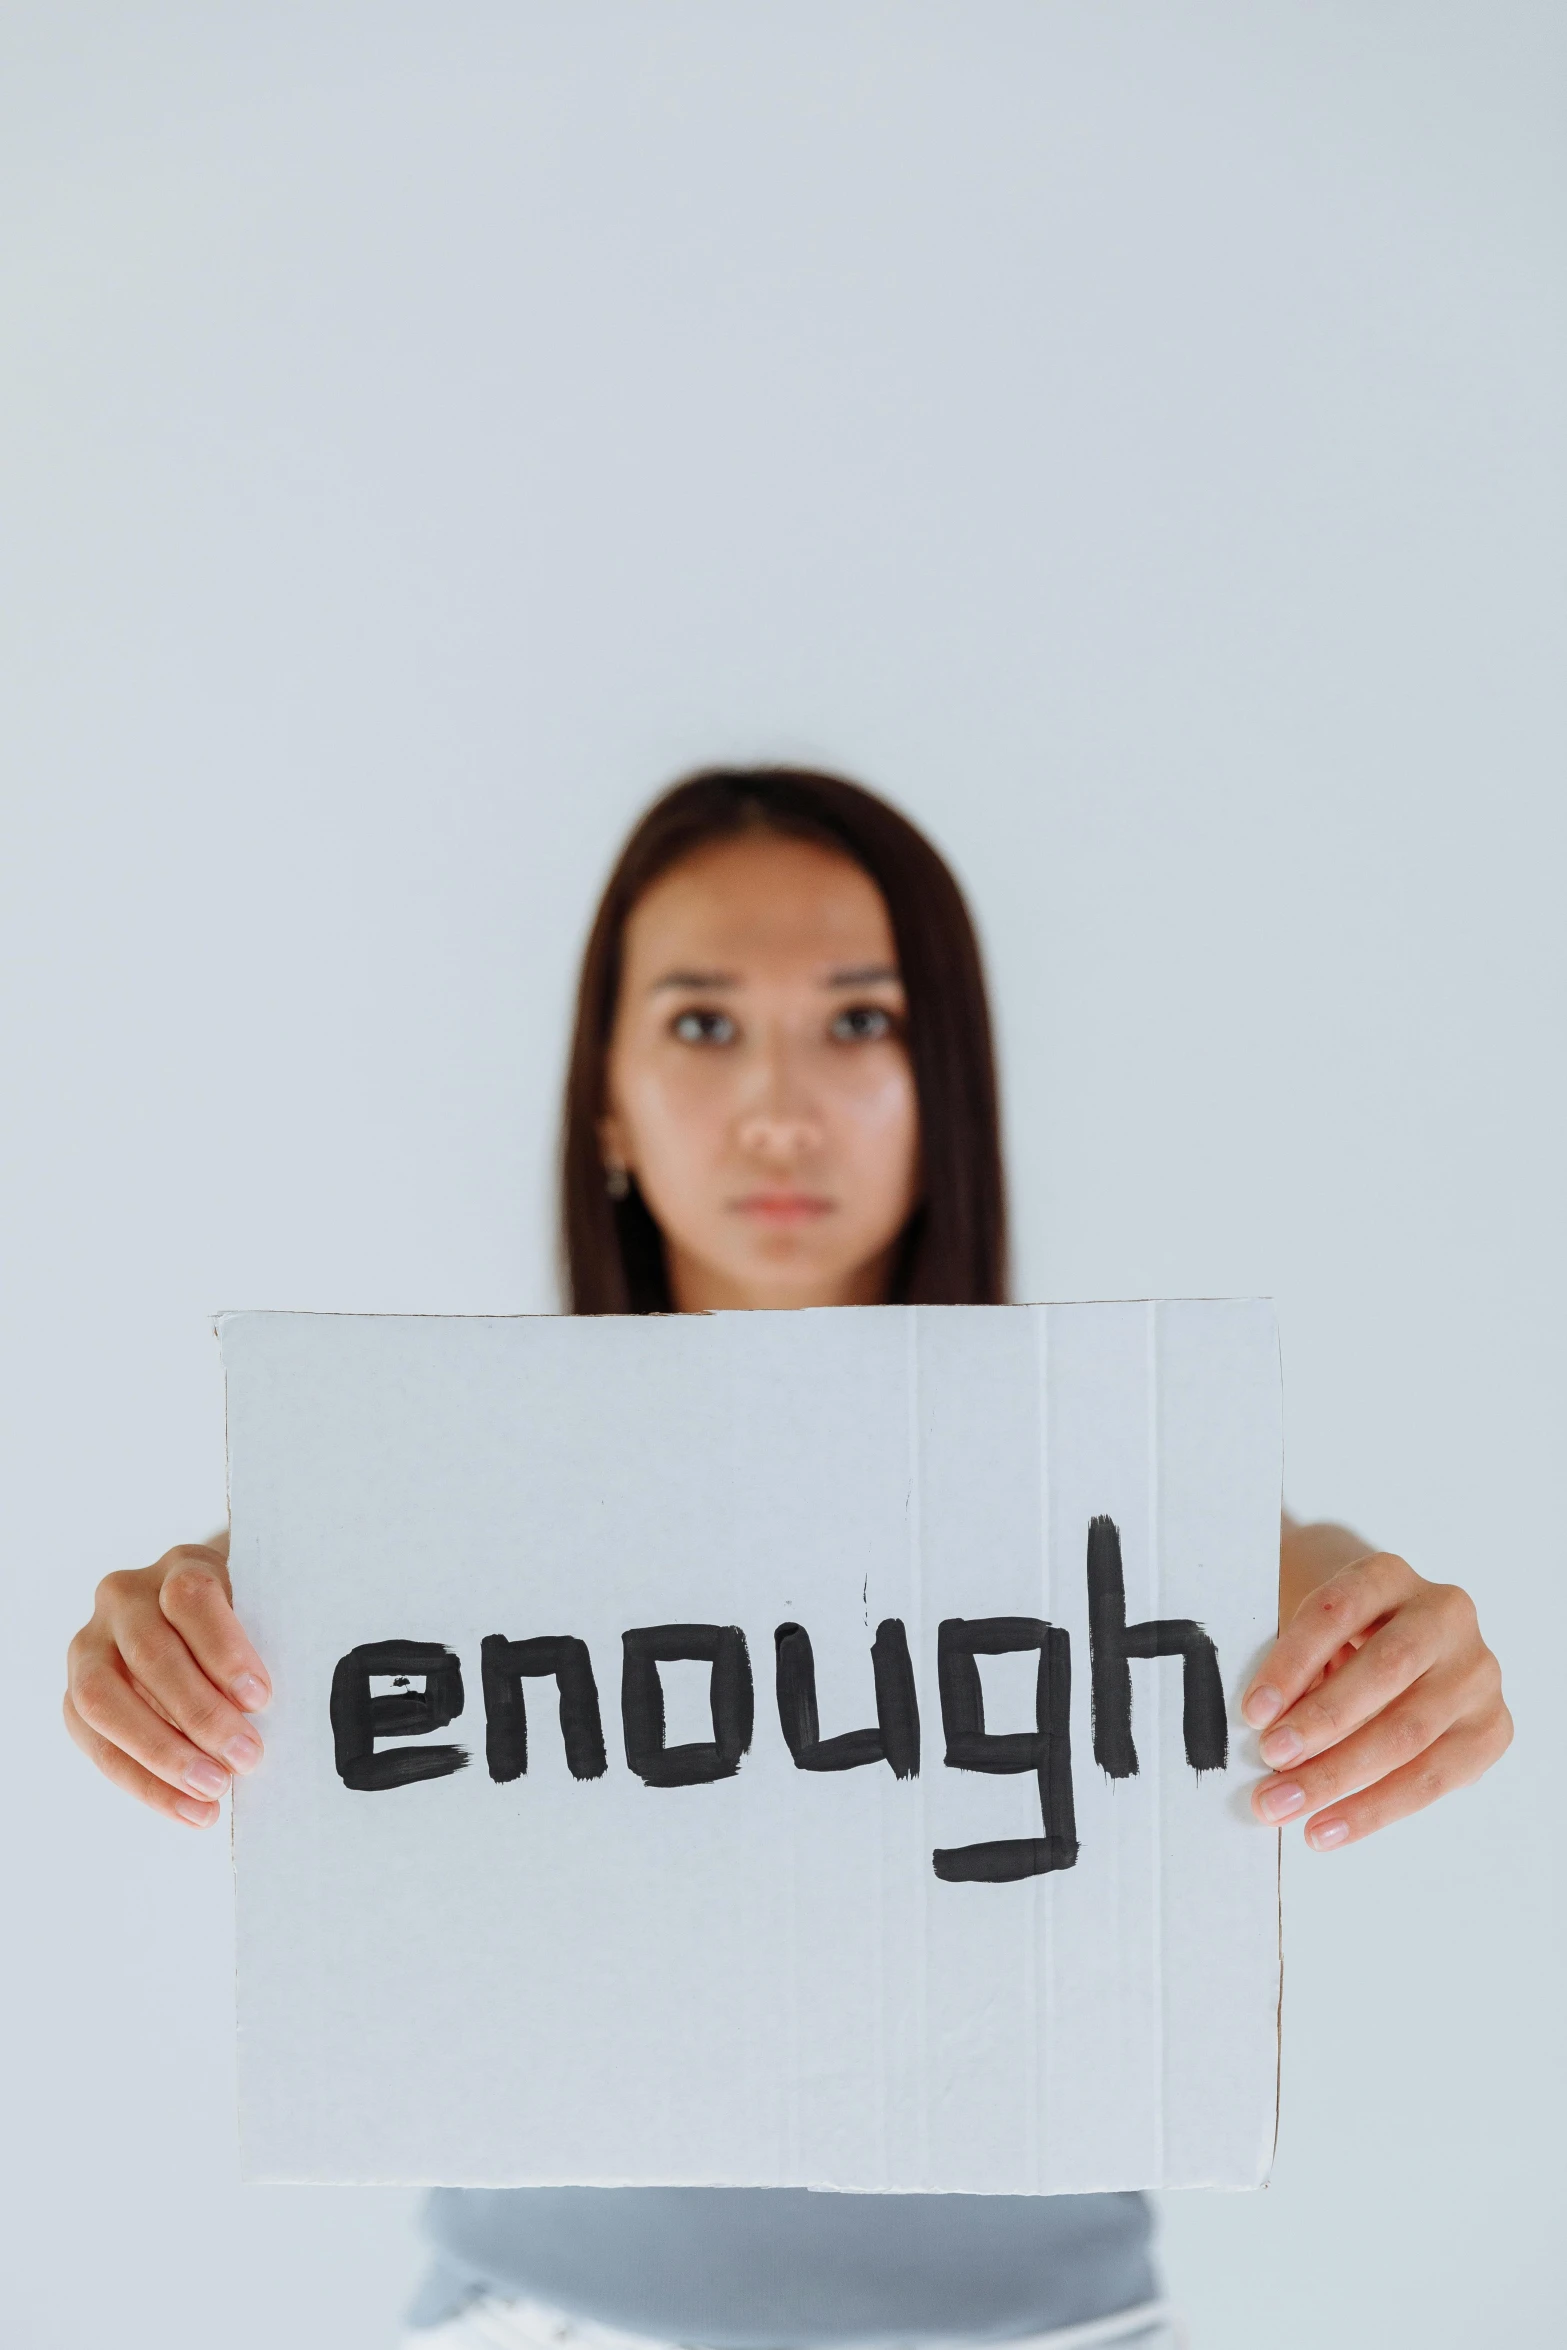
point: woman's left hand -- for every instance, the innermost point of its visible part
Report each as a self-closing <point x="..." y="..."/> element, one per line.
<point x="1378" y="1696"/>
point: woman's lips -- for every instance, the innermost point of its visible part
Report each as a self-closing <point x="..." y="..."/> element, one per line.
<point x="782" y="1207"/>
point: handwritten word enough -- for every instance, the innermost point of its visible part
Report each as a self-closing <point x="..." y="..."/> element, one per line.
<point x="361" y="1715"/>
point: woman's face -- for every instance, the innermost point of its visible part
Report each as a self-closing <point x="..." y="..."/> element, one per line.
<point x="759" y="1082"/>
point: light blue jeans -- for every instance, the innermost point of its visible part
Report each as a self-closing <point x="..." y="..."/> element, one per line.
<point x="528" y="2325"/>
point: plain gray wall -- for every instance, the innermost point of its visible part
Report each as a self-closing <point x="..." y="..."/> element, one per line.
<point x="1130" y="436"/>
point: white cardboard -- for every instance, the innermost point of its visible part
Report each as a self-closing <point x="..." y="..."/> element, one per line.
<point x="760" y="1981"/>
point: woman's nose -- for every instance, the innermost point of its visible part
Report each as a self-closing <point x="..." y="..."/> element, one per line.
<point x="779" y="1134"/>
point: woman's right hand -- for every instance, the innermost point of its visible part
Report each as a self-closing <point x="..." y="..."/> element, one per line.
<point x="160" y="1682"/>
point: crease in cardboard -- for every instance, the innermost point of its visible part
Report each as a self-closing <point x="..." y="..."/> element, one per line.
<point x="1156" y="1702"/>
<point x="912" y="1328"/>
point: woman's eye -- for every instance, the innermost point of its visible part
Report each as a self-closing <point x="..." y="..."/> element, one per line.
<point x="862" y="1024"/>
<point x="704" y="1028"/>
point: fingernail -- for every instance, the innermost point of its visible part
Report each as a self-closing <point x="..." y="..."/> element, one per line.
<point x="243" y="1753"/>
<point x="1326" y="1834"/>
<point x="1282" y="1747"/>
<point x="200" y="1815"/>
<point x="1259" y="1706"/>
<point x="1277" y="1803"/>
<point x="204" y="1778"/>
<point x="251" y="1693"/>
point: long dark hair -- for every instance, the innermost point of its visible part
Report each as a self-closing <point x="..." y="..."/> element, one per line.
<point x="954" y="1248"/>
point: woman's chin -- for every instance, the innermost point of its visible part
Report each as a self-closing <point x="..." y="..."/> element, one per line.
<point x="777" y="1270"/>
<point x="782" y="1272"/>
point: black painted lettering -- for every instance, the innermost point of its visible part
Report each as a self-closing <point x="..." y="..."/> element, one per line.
<point x="1113" y="1640"/>
<point x="359" y="1719"/>
<point x="730" y="1695"/>
<point x="1046" y="1749"/>
<point x="896" y="1738"/>
<point x="505" y="1665"/>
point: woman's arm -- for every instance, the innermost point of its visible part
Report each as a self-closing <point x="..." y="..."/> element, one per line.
<point x="1378" y="1696"/>
<point x="161" y="1680"/>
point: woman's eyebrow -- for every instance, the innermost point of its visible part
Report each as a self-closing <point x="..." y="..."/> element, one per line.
<point x="865" y="975"/>
<point x="695" y="979"/>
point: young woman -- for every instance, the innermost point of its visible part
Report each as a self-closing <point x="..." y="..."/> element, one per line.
<point x="781" y="1093"/>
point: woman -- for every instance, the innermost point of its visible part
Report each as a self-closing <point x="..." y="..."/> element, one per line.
<point x="781" y="1093"/>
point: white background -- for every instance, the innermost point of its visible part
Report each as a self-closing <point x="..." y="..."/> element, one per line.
<point x="1131" y="437"/>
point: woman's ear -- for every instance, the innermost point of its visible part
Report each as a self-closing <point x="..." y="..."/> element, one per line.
<point x="614" y="1149"/>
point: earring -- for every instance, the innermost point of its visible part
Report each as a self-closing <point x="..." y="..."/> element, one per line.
<point x="616" y="1180"/>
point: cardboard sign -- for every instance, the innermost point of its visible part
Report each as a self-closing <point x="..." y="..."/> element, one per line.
<point x="787" y="1749"/>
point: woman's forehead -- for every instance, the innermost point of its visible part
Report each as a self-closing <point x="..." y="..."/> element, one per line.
<point x="761" y="905"/>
